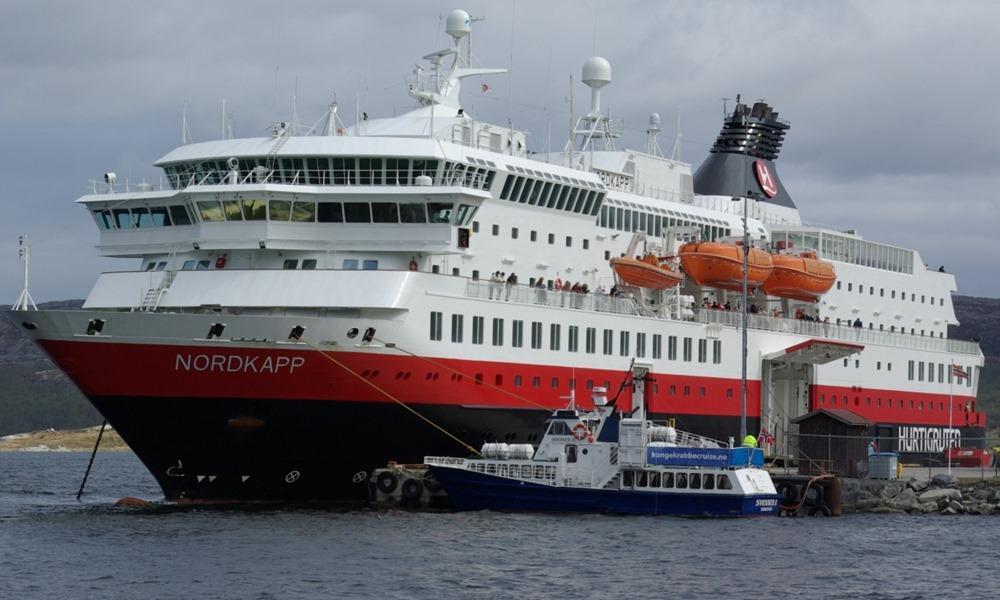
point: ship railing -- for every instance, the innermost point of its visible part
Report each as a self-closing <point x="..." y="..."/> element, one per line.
<point x="692" y="440"/>
<point x="527" y="294"/>
<point x="129" y="185"/>
<point x="510" y="469"/>
<point x="838" y="332"/>
<point x="471" y="178"/>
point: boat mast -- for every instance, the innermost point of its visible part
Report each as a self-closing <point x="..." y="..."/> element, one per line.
<point x="24" y="301"/>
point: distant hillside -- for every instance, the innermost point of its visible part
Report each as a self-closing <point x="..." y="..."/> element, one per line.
<point x="35" y="395"/>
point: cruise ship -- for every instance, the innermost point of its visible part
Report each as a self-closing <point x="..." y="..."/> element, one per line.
<point x="300" y="308"/>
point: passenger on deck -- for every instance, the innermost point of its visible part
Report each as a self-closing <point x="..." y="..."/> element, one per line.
<point x="511" y="282"/>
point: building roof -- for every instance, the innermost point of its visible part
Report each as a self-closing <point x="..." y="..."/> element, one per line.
<point x="840" y="414"/>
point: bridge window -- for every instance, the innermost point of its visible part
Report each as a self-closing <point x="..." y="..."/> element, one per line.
<point x="233" y="210"/>
<point x="280" y="210"/>
<point x="440" y="212"/>
<point x="415" y="212"/>
<point x="350" y="264"/>
<point x="253" y="210"/>
<point x="355" y="212"/>
<point x="209" y="210"/>
<point x="303" y="212"/>
<point x="309" y="264"/>
<point x="327" y="212"/>
<point x="385" y="212"/>
<point x="179" y="215"/>
<point x="290" y="263"/>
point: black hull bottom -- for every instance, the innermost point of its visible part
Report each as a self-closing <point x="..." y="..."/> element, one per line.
<point x="219" y="450"/>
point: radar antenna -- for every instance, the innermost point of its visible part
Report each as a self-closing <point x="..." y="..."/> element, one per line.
<point x="24" y="301"/>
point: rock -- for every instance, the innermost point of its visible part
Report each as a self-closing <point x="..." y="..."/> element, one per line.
<point x="935" y="495"/>
<point x="918" y="485"/>
<point x="905" y="500"/>
<point x="956" y="506"/>
<point x="890" y="489"/>
<point x="949" y="511"/>
<point x="928" y="507"/>
<point x="944" y="480"/>
<point x="994" y="497"/>
<point x="884" y="510"/>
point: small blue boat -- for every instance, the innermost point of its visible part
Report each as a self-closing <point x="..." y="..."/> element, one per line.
<point x="601" y="461"/>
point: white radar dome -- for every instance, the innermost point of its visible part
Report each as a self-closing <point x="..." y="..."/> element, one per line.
<point x="458" y="24"/>
<point x="596" y="72"/>
<point x="654" y="119"/>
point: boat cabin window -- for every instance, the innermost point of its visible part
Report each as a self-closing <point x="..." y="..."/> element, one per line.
<point x="290" y="263"/>
<point x="571" y="453"/>
<point x="357" y="212"/>
<point x="330" y="212"/>
<point x="103" y="218"/>
<point x="385" y="212"/>
<point x="350" y="264"/>
<point x="723" y="483"/>
<point x="151" y="266"/>
<point x="202" y="265"/>
<point x="179" y="215"/>
<point x="667" y="481"/>
<point x="627" y="479"/>
<point x="122" y="218"/>
<point x="695" y="481"/>
<point x="654" y="480"/>
<point x="641" y="479"/>
<point x="188" y="265"/>
<point x="309" y="264"/>
<point x="681" y="480"/>
<point x="233" y="210"/>
<point x="210" y="210"/>
<point x="412" y="212"/>
<point x="708" y="483"/>
<point x="440" y="212"/>
<point x="369" y="265"/>
<point x="558" y="428"/>
<point x="280" y="210"/>
<point x="303" y="212"/>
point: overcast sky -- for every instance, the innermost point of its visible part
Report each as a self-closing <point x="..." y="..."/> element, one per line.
<point x="892" y="104"/>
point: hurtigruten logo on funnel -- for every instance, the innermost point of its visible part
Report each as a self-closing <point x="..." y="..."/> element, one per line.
<point x="766" y="180"/>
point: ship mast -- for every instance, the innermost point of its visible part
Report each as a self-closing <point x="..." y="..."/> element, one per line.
<point x="24" y="301"/>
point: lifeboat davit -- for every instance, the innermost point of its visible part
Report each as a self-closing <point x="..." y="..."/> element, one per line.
<point x="804" y="277"/>
<point x="719" y="265"/>
<point x="649" y="272"/>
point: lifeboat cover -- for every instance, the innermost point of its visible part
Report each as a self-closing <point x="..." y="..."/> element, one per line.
<point x="815" y="352"/>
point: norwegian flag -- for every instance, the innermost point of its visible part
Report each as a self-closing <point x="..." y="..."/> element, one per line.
<point x="958" y="372"/>
<point x="765" y="436"/>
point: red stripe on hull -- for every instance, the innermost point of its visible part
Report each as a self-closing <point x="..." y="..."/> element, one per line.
<point x="108" y="369"/>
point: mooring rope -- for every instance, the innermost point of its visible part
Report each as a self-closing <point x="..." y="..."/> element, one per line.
<point x="393" y="398"/>
<point x="93" y="455"/>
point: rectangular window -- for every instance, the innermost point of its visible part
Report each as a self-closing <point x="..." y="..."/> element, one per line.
<point x="591" y="340"/>
<point x="574" y="338"/>
<point x="513" y="233"/>
<point x="702" y="350"/>
<point x="555" y="336"/>
<point x="436" y="325"/>
<point x="672" y="347"/>
<point x="290" y="264"/>
<point x="498" y="332"/>
<point x="179" y="214"/>
<point x="909" y="370"/>
<point x="716" y="352"/>
<point x="517" y="333"/>
<point x="552" y="238"/>
<point x="416" y="212"/>
<point x="687" y="349"/>
<point x="477" y="330"/>
<point x="930" y="372"/>
<point x="456" y="328"/>
<point x="623" y="344"/>
<point x="354" y="212"/>
<point x="327" y="212"/>
<point x="536" y="335"/>
<point x="304" y="212"/>
<point x="640" y="345"/>
<point x="941" y="372"/>
<point x="920" y="370"/>
<point x="657" y="345"/>
<point x="309" y="264"/>
<point x="609" y="337"/>
<point x="569" y="241"/>
<point x="385" y="212"/>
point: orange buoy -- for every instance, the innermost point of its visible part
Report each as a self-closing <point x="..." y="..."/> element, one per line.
<point x="646" y="273"/>
<point x="804" y="277"/>
<point x="719" y="265"/>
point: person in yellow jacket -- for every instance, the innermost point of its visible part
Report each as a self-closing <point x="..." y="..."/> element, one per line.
<point x="750" y="441"/>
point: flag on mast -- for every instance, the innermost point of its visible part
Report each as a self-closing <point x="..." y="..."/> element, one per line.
<point x="958" y="372"/>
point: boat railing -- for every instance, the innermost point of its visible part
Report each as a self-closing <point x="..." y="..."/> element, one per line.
<point x="511" y="469"/>
<point x="527" y="294"/>
<point x="693" y="440"/>
<point x="477" y="179"/>
<point x="833" y="331"/>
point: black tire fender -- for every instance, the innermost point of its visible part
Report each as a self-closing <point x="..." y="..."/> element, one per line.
<point x="386" y="482"/>
<point x="412" y="489"/>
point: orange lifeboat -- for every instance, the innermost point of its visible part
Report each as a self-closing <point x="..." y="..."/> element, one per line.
<point x="719" y="265"/>
<point x="804" y="277"/>
<point x="648" y="272"/>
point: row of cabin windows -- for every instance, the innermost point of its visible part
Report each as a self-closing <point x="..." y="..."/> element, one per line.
<point x="330" y="171"/>
<point x="289" y="264"/>
<point x="881" y="293"/>
<point x="308" y="211"/>
<point x="532" y="235"/>
<point x="142" y="217"/>
<point x="550" y="194"/>
<point x="878" y="364"/>
<point x="848" y="249"/>
<point x="590" y="343"/>
<point x="900" y="404"/>
<point x="669" y="480"/>
<point x="892" y="328"/>
<point x="918" y="371"/>
<point x="624" y="219"/>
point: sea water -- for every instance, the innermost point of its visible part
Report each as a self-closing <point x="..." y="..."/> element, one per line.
<point x="51" y="546"/>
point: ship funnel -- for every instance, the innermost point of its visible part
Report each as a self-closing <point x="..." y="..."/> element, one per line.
<point x="596" y="74"/>
<point x="742" y="159"/>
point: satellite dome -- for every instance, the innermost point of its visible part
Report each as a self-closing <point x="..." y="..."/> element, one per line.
<point x="596" y="72"/>
<point x="654" y="119"/>
<point x="457" y="24"/>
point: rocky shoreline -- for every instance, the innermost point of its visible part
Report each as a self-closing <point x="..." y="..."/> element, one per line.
<point x="68" y="440"/>
<point x="944" y="494"/>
